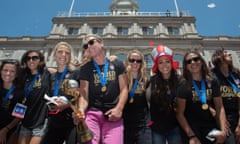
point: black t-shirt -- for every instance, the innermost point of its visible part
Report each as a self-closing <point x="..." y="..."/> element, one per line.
<point x="36" y="105"/>
<point x="163" y="120"/>
<point x="201" y="121"/>
<point x="97" y="99"/>
<point x="136" y="114"/>
<point x="230" y="99"/>
<point x="64" y="118"/>
<point x="6" y="110"/>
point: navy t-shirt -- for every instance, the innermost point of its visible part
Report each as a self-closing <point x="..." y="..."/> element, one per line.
<point x="36" y="105"/>
<point x="201" y="121"/>
<point x="163" y="120"/>
<point x="97" y="99"/>
<point x="6" y="110"/>
<point x="64" y="118"/>
<point x="136" y="114"/>
<point x="229" y="96"/>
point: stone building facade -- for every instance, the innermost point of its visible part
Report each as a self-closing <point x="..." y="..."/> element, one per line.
<point x="124" y="29"/>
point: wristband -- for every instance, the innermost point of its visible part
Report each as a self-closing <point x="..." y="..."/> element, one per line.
<point x="225" y="129"/>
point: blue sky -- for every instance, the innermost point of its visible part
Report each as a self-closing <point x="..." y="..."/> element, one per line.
<point x="34" y="17"/>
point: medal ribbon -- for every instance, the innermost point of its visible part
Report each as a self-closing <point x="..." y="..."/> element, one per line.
<point x="201" y="95"/>
<point x="29" y="88"/>
<point x="103" y="79"/>
<point x="7" y="95"/>
<point x="58" y="81"/>
<point x="131" y="93"/>
<point x="233" y="85"/>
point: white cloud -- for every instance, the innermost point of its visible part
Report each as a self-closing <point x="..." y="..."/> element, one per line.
<point x="211" y="5"/>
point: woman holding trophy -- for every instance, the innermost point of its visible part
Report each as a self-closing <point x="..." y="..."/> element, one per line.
<point x="104" y="92"/>
<point x="61" y="127"/>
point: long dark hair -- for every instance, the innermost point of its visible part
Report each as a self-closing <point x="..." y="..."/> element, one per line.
<point x="41" y="65"/>
<point x="161" y="87"/>
<point x="18" y="81"/>
<point x="204" y="70"/>
<point x="218" y="58"/>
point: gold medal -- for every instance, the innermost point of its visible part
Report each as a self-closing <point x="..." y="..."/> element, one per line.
<point x="204" y="106"/>
<point x="238" y="94"/>
<point x="131" y="100"/>
<point x="104" y="88"/>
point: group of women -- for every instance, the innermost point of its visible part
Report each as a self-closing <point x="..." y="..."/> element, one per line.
<point x="23" y="107"/>
<point x="201" y="106"/>
<point x="149" y="114"/>
<point x="164" y="108"/>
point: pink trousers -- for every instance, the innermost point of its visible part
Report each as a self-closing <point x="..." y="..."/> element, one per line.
<point x="104" y="131"/>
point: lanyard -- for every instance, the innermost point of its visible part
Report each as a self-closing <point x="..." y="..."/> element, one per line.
<point x="103" y="79"/>
<point x="131" y="93"/>
<point x="233" y="85"/>
<point x="201" y="95"/>
<point x="7" y="95"/>
<point x="58" y="81"/>
<point x="29" y="88"/>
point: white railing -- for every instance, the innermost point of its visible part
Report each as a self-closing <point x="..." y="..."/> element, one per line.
<point x="87" y="14"/>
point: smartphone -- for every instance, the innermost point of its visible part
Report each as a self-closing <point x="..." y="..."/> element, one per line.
<point x="212" y="132"/>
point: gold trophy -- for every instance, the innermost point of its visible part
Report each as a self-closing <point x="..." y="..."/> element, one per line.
<point x="84" y="134"/>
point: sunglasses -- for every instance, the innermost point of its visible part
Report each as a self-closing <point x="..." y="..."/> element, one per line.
<point x="195" y="59"/>
<point x="90" y="42"/>
<point x="131" y="60"/>
<point x="33" y="58"/>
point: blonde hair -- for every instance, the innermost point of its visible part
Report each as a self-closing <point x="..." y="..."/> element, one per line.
<point x="142" y="74"/>
<point x="71" y="62"/>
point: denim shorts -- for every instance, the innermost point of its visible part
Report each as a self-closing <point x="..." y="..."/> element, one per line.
<point x="38" y="131"/>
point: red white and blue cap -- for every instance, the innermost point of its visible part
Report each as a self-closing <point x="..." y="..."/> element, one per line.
<point x="159" y="51"/>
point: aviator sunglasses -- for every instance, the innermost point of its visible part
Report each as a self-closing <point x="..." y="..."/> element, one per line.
<point x="195" y="59"/>
<point x="131" y="60"/>
<point x="33" y="58"/>
<point x="90" y="42"/>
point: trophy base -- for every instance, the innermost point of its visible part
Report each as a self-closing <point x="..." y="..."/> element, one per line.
<point x="84" y="137"/>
